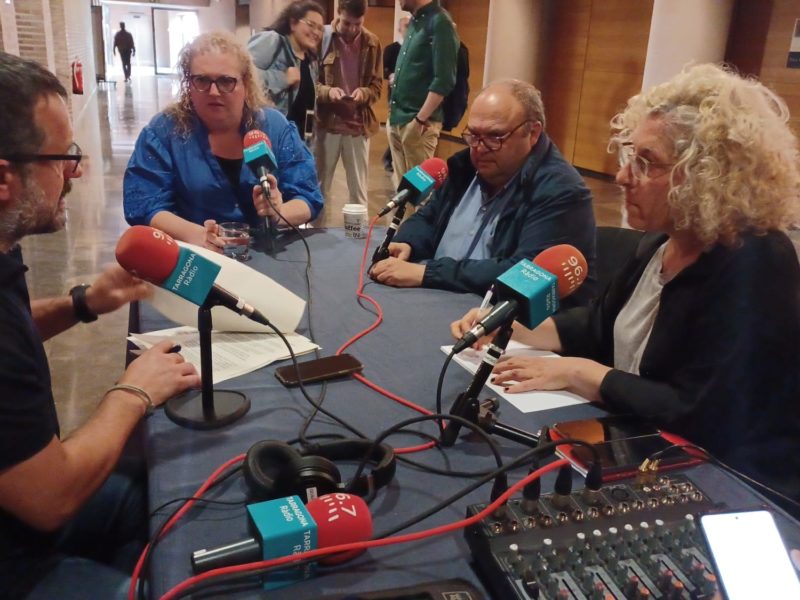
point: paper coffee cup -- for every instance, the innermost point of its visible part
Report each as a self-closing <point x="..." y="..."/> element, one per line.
<point x="355" y="221"/>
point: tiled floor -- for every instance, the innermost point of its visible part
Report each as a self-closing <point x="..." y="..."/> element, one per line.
<point x="88" y="359"/>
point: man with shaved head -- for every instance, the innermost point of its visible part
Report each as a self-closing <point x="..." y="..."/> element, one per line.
<point x="509" y="195"/>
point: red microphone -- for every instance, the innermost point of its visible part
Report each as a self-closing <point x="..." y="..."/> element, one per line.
<point x="436" y="168"/>
<point x="152" y="255"/>
<point x="567" y="263"/>
<point x="259" y="157"/>
<point x="417" y="184"/>
<point x="526" y="295"/>
<point x="148" y="253"/>
<point x="340" y="519"/>
<point x="254" y="136"/>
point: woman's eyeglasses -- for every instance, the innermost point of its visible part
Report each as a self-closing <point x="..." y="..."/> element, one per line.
<point x="225" y="84"/>
<point x="72" y="158"/>
<point x="314" y="26"/>
<point x="640" y="166"/>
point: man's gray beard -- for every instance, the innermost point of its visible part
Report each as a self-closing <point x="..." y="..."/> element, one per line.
<point x="25" y="217"/>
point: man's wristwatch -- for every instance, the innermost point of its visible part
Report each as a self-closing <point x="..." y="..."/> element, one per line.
<point x="79" y="305"/>
<point x="420" y="121"/>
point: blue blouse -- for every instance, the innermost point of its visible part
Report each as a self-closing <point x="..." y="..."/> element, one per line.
<point x="179" y="174"/>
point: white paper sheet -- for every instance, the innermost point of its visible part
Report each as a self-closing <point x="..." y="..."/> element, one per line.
<point x="526" y="402"/>
<point x="233" y="354"/>
<point x="283" y="308"/>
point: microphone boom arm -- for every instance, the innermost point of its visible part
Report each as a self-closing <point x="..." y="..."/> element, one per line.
<point x="382" y="251"/>
<point x="466" y="405"/>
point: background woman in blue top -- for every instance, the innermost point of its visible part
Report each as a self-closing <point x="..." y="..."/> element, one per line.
<point x="187" y="173"/>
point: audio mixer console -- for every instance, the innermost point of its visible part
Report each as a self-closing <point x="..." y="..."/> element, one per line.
<point x="635" y="540"/>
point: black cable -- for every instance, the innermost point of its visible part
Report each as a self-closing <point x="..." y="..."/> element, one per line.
<point x="154" y="539"/>
<point x="726" y="467"/>
<point x="519" y="461"/>
<point x="439" y="385"/>
<point x="387" y="432"/>
<point x="236" y="577"/>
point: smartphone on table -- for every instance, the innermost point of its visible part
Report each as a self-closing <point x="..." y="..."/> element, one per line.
<point x="749" y="556"/>
<point x="622" y="444"/>
<point x="320" y="369"/>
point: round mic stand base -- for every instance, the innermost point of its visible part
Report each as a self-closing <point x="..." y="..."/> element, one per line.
<point x="187" y="410"/>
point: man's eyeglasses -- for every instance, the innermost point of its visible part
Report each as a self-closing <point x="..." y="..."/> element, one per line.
<point x="225" y="84"/>
<point x="490" y="142"/>
<point x="72" y="157"/>
<point x="314" y="26"/>
<point x="640" y="166"/>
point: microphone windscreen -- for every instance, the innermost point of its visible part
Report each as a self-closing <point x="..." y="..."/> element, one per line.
<point x="340" y="518"/>
<point x="565" y="262"/>
<point x="148" y="253"/>
<point x="254" y="136"/>
<point x="436" y="168"/>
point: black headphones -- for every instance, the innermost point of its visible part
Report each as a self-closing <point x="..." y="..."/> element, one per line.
<point x="275" y="469"/>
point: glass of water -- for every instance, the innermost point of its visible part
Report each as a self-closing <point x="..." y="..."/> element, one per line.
<point x="237" y="240"/>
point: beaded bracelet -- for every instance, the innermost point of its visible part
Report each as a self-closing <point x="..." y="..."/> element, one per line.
<point x="137" y="391"/>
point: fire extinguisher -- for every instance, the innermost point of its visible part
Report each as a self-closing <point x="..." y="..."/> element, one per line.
<point x="77" y="77"/>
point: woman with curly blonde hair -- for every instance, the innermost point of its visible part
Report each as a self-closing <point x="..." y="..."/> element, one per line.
<point x="700" y="331"/>
<point x="186" y="173"/>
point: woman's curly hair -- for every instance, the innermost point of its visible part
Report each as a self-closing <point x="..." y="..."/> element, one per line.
<point x="220" y="42"/>
<point x="737" y="159"/>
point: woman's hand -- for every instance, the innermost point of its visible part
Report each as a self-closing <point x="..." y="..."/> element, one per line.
<point x="526" y="373"/>
<point x="292" y="77"/>
<point x="268" y="208"/>
<point x="212" y="241"/>
<point x="467" y="322"/>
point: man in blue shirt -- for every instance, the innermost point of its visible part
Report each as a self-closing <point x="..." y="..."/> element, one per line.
<point x="508" y="197"/>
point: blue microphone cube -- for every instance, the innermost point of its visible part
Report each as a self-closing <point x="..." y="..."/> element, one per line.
<point x="535" y="289"/>
<point x="420" y="181"/>
<point x="260" y="152"/>
<point x="193" y="276"/>
<point x="283" y="527"/>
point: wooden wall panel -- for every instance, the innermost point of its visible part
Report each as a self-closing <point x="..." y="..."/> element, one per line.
<point x="615" y="55"/>
<point x="774" y="73"/>
<point x="603" y="95"/>
<point x="380" y="21"/>
<point x="618" y="36"/>
<point x="567" y="37"/>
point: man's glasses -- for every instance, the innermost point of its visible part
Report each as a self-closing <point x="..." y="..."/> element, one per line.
<point x="640" y="166"/>
<point x="490" y="142"/>
<point x="314" y="26"/>
<point x="225" y="84"/>
<point x="72" y="157"/>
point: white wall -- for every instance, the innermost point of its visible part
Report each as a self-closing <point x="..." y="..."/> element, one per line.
<point x="513" y="40"/>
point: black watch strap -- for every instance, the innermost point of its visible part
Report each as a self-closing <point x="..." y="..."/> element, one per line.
<point x="79" y="305"/>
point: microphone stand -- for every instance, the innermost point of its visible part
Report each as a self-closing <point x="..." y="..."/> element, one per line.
<point x="482" y="414"/>
<point x="382" y="251"/>
<point x="211" y="408"/>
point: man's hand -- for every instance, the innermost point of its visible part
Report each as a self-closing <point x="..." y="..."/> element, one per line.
<point x="114" y="288"/>
<point x="161" y="373"/>
<point x="399" y="273"/>
<point x="268" y="208"/>
<point x="336" y="94"/>
<point x="400" y="250"/>
<point x="292" y="77"/>
<point x="359" y="96"/>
